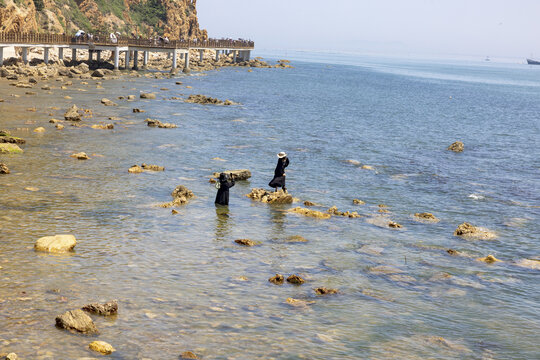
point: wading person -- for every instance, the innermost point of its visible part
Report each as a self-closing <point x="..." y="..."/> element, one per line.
<point x="224" y="184"/>
<point x="279" y="172"/>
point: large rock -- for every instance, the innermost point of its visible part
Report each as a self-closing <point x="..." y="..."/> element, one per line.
<point x="147" y="96"/>
<point x="72" y="114"/>
<point x="98" y="73"/>
<point x="237" y="175"/>
<point x="4" y="169"/>
<point x="456" y="147"/>
<point x="5" y="137"/>
<point x="311" y="213"/>
<point x="159" y="124"/>
<point x="468" y="231"/>
<point x="181" y="195"/>
<point x="276" y="197"/>
<point x="56" y="244"/>
<point x="101" y="347"/>
<point x="107" y="309"/>
<point x="76" y="321"/>
<point x="8" y="148"/>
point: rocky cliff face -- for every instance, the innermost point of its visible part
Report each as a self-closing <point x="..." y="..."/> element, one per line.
<point x="176" y="19"/>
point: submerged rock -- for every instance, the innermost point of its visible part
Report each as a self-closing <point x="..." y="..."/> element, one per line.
<point x="101" y="347"/>
<point x="147" y="96"/>
<point x="325" y="291"/>
<point x="529" y="263"/>
<point x="205" y="100"/>
<point x="277" y="197"/>
<point x="468" y="231"/>
<point x="150" y="167"/>
<point x="56" y="244"/>
<point x="309" y="203"/>
<point x="295" y="279"/>
<point x="159" y="124"/>
<point x="278" y="279"/>
<point x="456" y="147"/>
<point x="310" y="213"/>
<point x="490" y="259"/>
<point x="181" y="195"/>
<point x="107" y="309"/>
<point x="188" y="355"/>
<point x="358" y="202"/>
<point x="237" y="175"/>
<point x="8" y="148"/>
<point x="296" y="239"/>
<point x="394" y="225"/>
<point x="80" y="156"/>
<point x="425" y="217"/>
<point x="138" y="110"/>
<point x="108" y="102"/>
<point x="452" y="252"/>
<point x="72" y="114"/>
<point x="4" y="169"/>
<point x="77" y="321"/>
<point x="246" y="242"/>
<point x="298" y="302"/>
<point x="334" y="211"/>
<point x="135" y="169"/>
<point x="103" y="126"/>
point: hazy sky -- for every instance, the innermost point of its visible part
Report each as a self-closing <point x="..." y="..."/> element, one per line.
<point x="458" y="27"/>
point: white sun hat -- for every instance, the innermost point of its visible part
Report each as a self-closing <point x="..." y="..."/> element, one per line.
<point x="281" y="155"/>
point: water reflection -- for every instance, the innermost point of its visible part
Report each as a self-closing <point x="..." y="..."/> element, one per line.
<point x="223" y="222"/>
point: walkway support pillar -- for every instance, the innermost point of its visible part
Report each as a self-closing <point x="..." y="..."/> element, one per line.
<point x="73" y="54"/>
<point x="98" y="56"/>
<point x="201" y="55"/>
<point x="186" y="63"/>
<point x="135" y="60"/>
<point x="116" y="58"/>
<point x="25" y="55"/>
<point x="127" y="60"/>
<point x="234" y="56"/>
<point x="145" y="59"/>
<point x="46" y="55"/>
<point x="60" y="54"/>
<point x="217" y="55"/>
<point x="174" y="61"/>
<point x="248" y="55"/>
<point x="1" y="56"/>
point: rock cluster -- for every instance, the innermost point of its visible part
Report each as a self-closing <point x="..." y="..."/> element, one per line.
<point x="103" y="126"/>
<point x="107" y="309"/>
<point x="334" y="211"/>
<point x="456" y="147"/>
<point x="159" y="124"/>
<point x="5" y="137"/>
<point x="468" y="231"/>
<point x="311" y="213"/>
<point x="4" y="169"/>
<point x="181" y="195"/>
<point x="206" y="100"/>
<point x="277" y="197"/>
<point x="237" y="175"/>
<point x="73" y="114"/>
<point x="136" y="169"/>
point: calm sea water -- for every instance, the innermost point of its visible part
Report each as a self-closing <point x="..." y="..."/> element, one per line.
<point x="183" y="284"/>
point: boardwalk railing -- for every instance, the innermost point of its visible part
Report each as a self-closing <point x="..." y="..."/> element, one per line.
<point x="106" y="40"/>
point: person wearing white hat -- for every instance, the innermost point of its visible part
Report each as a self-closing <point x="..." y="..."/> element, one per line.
<point x="279" y="172"/>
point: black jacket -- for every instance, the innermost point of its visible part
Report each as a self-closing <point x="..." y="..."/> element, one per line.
<point x="222" y="196"/>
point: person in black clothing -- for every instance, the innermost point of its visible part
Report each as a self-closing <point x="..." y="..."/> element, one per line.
<point x="279" y="172"/>
<point x="223" y="186"/>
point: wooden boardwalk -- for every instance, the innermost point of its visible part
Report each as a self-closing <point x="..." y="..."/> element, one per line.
<point x="96" y="43"/>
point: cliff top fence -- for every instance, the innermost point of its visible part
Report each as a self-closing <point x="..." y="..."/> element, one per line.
<point x="105" y="40"/>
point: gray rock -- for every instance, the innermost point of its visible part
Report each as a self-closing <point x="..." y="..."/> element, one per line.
<point x="77" y="321"/>
<point x="107" y="309"/>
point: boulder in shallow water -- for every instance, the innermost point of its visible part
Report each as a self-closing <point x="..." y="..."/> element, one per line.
<point x="295" y="279"/>
<point x="325" y="291"/>
<point x="425" y="217"/>
<point x="76" y="321"/>
<point x="107" y="309"/>
<point x="246" y="242"/>
<point x="358" y="202"/>
<point x="334" y="211"/>
<point x="150" y="167"/>
<point x="108" y="102"/>
<point x="159" y="124"/>
<point x="394" y="225"/>
<point x="468" y="231"/>
<point x="237" y="175"/>
<point x="72" y="114"/>
<point x="80" y="156"/>
<point x="4" y="169"/>
<point x="135" y="169"/>
<point x="99" y="73"/>
<point x="136" y="110"/>
<point x="147" y="96"/>
<point x="276" y="197"/>
<point x="533" y="264"/>
<point x="278" y="279"/>
<point x="310" y="213"/>
<point x="5" y="137"/>
<point x="188" y="355"/>
<point x="456" y="147"/>
<point x="181" y="195"/>
<point x="101" y="347"/>
<point x="490" y="259"/>
<point x="56" y="243"/>
<point x="8" y="148"/>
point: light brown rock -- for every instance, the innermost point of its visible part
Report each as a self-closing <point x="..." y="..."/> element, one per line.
<point x="295" y="279"/>
<point x="80" y="156"/>
<point x="56" y="243"/>
<point x="310" y="213"/>
<point x="76" y="321"/>
<point x="456" y="147"/>
<point x="101" y="347"/>
<point x="278" y="279"/>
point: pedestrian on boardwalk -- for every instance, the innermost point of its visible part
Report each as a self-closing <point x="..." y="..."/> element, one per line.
<point x="224" y="184"/>
<point x="279" y="172"/>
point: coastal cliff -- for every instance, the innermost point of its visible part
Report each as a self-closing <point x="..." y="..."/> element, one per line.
<point x="174" y="18"/>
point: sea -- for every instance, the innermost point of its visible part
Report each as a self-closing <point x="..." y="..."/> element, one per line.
<point x="354" y="127"/>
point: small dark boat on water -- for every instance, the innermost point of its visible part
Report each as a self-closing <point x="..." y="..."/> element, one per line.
<point x="533" y="62"/>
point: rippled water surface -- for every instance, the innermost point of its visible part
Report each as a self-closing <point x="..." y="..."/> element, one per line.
<point x="181" y="281"/>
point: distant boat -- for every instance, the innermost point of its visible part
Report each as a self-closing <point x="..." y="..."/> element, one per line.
<point x="533" y="62"/>
<point x="487" y="58"/>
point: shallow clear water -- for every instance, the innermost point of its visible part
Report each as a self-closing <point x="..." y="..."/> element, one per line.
<point x="177" y="277"/>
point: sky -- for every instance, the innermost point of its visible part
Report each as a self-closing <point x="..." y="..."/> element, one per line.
<point x="504" y="28"/>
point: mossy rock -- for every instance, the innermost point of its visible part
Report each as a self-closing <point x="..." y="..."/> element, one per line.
<point x="8" y="148"/>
